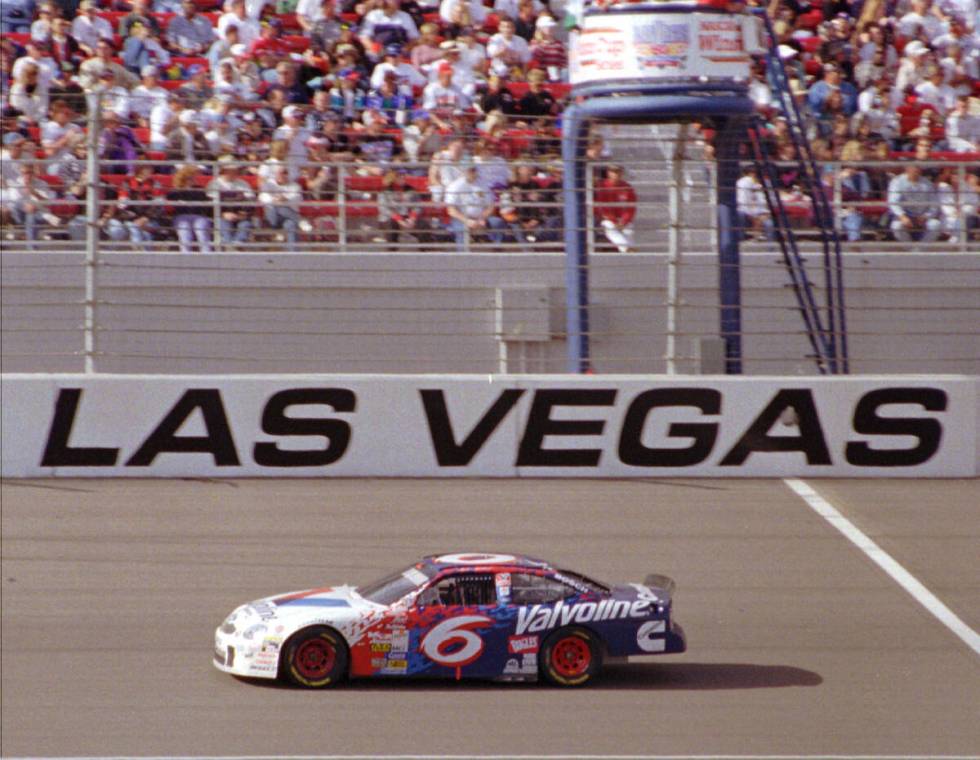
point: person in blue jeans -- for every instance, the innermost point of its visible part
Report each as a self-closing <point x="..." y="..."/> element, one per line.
<point x="236" y="200"/>
<point x="471" y="210"/>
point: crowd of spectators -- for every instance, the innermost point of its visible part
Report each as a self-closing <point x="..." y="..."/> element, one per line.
<point x="439" y="119"/>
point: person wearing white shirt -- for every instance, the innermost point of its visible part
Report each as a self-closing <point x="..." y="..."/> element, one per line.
<point x="280" y="197"/>
<point x="753" y="211"/>
<point x="962" y="128"/>
<point x="442" y="97"/>
<point x="509" y="8"/>
<point x="29" y="94"/>
<point x="912" y="203"/>
<point x="472" y="55"/>
<point x="308" y="12"/>
<point x="507" y="50"/>
<point x="145" y="96"/>
<point x="959" y="72"/>
<point x="492" y="169"/>
<point x="163" y="120"/>
<point x="59" y="136"/>
<point x="41" y="29"/>
<point x="936" y="92"/>
<point x="248" y="29"/>
<point x="47" y="67"/>
<point x="88" y="28"/>
<point x="406" y="74"/>
<point x="387" y="25"/>
<point x="253" y="8"/>
<point x="463" y="12"/>
<point x="235" y="197"/>
<point x="470" y="207"/>
<point x="463" y="76"/>
<point x="295" y="134"/>
<point x="920" y="17"/>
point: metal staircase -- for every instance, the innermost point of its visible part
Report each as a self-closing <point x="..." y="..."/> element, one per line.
<point x="826" y="326"/>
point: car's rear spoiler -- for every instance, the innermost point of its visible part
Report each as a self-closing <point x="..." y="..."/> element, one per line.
<point x="661" y="582"/>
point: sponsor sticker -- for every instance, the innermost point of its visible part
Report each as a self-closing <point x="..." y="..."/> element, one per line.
<point x="519" y="644"/>
<point x="542" y="617"/>
<point x="650" y="636"/>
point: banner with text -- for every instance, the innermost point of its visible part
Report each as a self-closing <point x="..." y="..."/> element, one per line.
<point x="497" y="426"/>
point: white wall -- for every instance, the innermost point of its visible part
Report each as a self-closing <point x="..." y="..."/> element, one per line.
<point x="167" y="313"/>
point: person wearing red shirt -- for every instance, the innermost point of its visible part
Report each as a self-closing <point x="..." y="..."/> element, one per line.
<point x="270" y="38"/>
<point x="615" y="207"/>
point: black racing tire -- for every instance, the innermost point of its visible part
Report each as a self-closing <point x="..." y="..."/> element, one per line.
<point x="315" y="658"/>
<point x="570" y="657"/>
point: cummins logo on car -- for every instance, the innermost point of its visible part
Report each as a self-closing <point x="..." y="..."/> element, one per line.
<point x="541" y="617"/>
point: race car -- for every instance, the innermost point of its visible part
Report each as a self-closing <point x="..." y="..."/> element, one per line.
<point x="464" y="615"/>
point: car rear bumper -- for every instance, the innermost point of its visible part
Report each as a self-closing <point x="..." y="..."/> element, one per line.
<point x="676" y="639"/>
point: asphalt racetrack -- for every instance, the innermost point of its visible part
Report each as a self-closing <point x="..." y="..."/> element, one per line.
<point x="799" y="643"/>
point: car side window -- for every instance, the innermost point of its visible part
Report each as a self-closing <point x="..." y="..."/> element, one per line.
<point x="529" y="588"/>
<point x="461" y="590"/>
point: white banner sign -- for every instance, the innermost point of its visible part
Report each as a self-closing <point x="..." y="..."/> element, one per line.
<point x="616" y="426"/>
<point x="669" y="46"/>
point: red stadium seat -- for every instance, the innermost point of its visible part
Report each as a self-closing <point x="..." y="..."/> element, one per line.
<point x="187" y="61"/>
<point x="297" y="43"/>
<point x="810" y="20"/>
<point x="366" y="184"/>
<point x="19" y="38"/>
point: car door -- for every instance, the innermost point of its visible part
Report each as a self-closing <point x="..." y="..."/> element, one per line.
<point x="461" y="626"/>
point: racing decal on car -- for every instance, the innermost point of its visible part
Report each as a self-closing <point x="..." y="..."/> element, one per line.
<point x="475" y="559"/>
<point x="520" y="644"/>
<point x="541" y="617"/>
<point x="650" y="636"/>
<point x="453" y="643"/>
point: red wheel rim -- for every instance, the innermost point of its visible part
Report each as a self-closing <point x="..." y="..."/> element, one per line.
<point x="571" y="657"/>
<point x="315" y="659"/>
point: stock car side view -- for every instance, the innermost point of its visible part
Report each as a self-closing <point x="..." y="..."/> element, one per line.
<point x="467" y="615"/>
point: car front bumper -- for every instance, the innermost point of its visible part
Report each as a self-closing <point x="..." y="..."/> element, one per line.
<point x="254" y="659"/>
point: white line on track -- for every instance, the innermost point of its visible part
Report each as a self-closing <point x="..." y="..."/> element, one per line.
<point x="885" y="561"/>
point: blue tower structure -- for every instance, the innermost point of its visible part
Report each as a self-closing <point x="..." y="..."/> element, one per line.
<point x="676" y="62"/>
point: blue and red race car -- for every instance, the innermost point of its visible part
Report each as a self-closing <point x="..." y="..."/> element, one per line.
<point x="464" y="615"/>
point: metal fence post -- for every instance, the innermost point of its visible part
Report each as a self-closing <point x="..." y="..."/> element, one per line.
<point x="674" y="248"/>
<point x="342" y="207"/>
<point x="92" y="189"/>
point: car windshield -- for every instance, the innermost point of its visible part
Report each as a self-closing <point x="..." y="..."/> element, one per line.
<point x="391" y="588"/>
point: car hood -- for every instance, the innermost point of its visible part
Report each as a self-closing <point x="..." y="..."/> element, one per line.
<point x="332" y="603"/>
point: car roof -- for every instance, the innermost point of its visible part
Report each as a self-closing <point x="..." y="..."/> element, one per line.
<point x="483" y="561"/>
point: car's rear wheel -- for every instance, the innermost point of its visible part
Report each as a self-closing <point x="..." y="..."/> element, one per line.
<point x="570" y="657"/>
<point x="315" y="658"/>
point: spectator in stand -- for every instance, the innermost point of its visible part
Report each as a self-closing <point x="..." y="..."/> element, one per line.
<point x="497" y="97"/>
<point x="138" y="207"/>
<point x="118" y="146"/>
<point x="537" y="101"/>
<point x="310" y="13"/>
<point x="446" y="168"/>
<point x="526" y="21"/>
<point x="472" y="55"/>
<point x="510" y="8"/>
<point x="968" y="207"/>
<point x="190" y="33"/>
<point x="548" y="52"/>
<point x="375" y="147"/>
<point x="911" y="69"/>
<point x="235" y="199"/>
<point x="142" y="48"/>
<point x="113" y="97"/>
<point x="145" y="96"/>
<point x="963" y="128"/>
<point x="235" y="16"/>
<point x="221" y="48"/>
<point x="25" y="200"/>
<point x="507" y="51"/>
<point x="222" y="137"/>
<point x="442" y="97"/>
<point x="270" y="38"/>
<point x="420" y="138"/>
<point x="464" y="77"/>
<point x="875" y="109"/>
<point x="187" y="144"/>
<point x="164" y="120"/>
<point x="615" y="207"/>
<point x="192" y="210"/>
<point x="88" y="28"/>
<point x="60" y="136"/>
<point x="913" y="205"/>
<point x="29" y="94"/>
<point x="140" y="14"/>
<point x="42" y="28"/>
<point x="960" y="72"/>
<point x="295" y="134"/>
<point x="399" y="211"/>
<point x="197" y="90"/>
<point x="16" y="16"/>
<point x="407" y="76"/>
<point x="470" y="207"/>
<point x="529" y="219"/>
<point x="492" y="169"/>
<point x="456" y="14"/>
<point x="753" y="211"/>
<point x="386" y="25"/>
<point x="390" y="102"/>
<point x="65" y="50"/>
<point x="280" y="197"/>
<point x="935" y="92"/>
<point x="288" y="81"/>
<point x="228" y="82"/>
<point x="426" y="50"/>
<point x="319" y="112"/>
<point x="15" y="152"/>
<point x="832" y="81"/>
<point x="38" y="54"/>
<point x="855" y="188"/>
<point x="920" y="21"/>
<point x="253" y="139"/>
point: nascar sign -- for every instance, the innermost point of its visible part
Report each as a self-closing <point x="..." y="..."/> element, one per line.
<point x="429" y="425"/>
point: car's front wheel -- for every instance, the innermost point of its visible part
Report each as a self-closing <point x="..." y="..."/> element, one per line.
<point x="570" y="657"/>
<point x="315" y="658"/>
